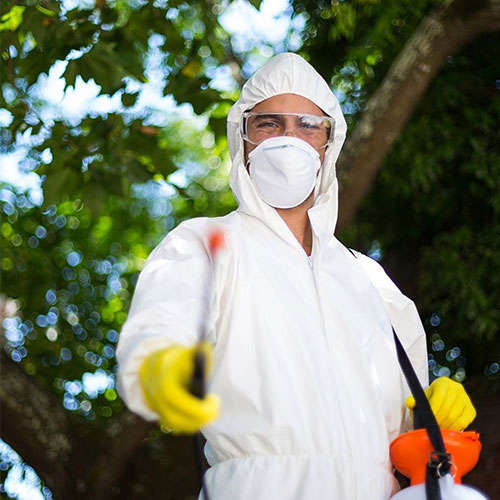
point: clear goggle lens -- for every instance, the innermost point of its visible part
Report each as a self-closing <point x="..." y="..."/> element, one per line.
<point x="318" y="131"/>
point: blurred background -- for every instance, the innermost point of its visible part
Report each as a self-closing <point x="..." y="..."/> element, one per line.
<point x="112" y="118"/>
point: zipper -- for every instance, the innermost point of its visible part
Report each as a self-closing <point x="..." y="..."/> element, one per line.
<point x="334" y="393"/>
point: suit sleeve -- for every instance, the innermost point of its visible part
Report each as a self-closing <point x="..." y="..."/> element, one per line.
<point x="405" y="320"/>
<point x="167" y="308"/>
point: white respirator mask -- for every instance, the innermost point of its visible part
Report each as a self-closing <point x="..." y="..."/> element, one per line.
<point x="283" y="170"/>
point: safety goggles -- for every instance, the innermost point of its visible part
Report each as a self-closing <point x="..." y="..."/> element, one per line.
<point x="318" y="131"/>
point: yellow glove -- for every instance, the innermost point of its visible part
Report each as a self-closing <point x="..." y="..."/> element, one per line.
<point x="165" y="376"/>
<point x="450" y="404"/>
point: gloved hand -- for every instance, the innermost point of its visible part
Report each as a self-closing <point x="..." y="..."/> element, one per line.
<point x="165" y="376"/>
<point x="450" y="404"/>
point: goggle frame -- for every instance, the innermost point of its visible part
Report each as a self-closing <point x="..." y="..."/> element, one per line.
<point x="248" y="114"/>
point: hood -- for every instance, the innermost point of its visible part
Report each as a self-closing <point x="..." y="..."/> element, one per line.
<point x="287" y="73"/>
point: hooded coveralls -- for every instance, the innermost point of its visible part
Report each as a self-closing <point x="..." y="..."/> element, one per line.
<point x="304" y="359"/>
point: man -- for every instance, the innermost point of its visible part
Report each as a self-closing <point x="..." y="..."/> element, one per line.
<point x="304" y="363"/>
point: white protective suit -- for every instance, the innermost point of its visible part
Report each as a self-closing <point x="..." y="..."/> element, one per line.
<point x="304" y="359"/>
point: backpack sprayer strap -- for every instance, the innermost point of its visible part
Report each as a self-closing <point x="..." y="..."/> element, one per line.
<point x="439" y="460"/>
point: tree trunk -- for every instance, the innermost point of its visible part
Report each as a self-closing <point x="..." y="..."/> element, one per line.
<point x="34" y="423"/>
<point x="76" y="459"/>
<point x="441" y="34"/>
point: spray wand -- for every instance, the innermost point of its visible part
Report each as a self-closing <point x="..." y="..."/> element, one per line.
<point x="197" y="386"/>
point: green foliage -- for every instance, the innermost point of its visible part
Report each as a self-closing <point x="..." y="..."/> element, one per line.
<point x="256" y="3"/>
<point x="72" y="281"/>
<point x="12" y="19"/>
<point x="71" y="284"/>
<point x="110" y="46"/>
<point x="353" y="43"/>
<point x="72" y="275"/>
<point x="438" y="197"/>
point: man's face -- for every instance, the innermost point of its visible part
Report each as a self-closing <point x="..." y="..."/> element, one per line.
<point x="286" y="103"/>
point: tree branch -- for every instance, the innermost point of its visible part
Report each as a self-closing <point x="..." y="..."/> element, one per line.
<point x="442" y="33"/>
<point x="35" y="424"/>
<point x="28" y="409"/>
<point x="124" y="436"/>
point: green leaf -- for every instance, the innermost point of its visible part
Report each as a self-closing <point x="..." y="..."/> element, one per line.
<point x="94" y="196"/>
<point x="12" y="19"/>
<point x="218" y="125"/>
<point x="60" y="184"/>
<point x="45" y="11"/>
<point x="255" y="3"/>
<point x="71" y="72"/>
<point x="105" y="68"/>
<point x="129" y="99"/>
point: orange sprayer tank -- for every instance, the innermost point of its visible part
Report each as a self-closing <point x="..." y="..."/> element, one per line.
<point x="410" y="453"/>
